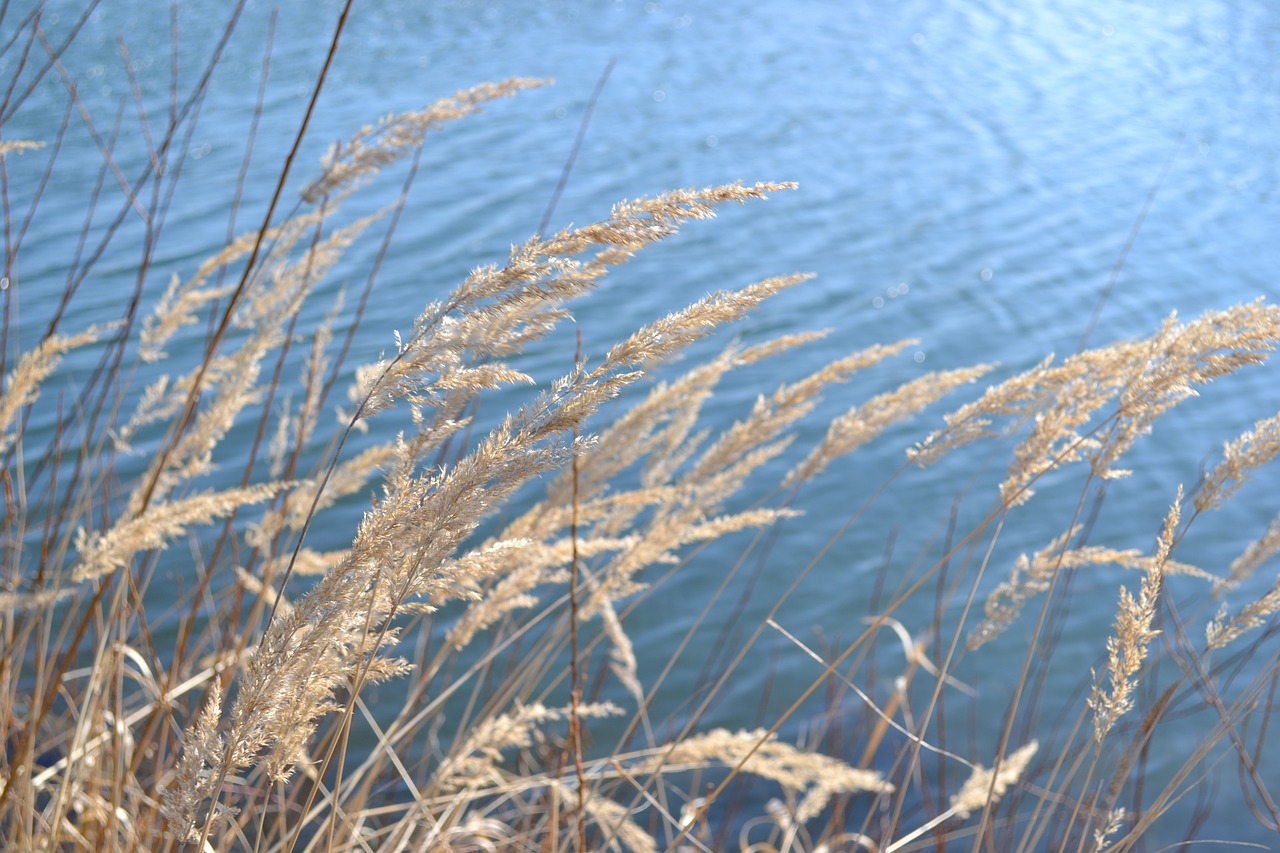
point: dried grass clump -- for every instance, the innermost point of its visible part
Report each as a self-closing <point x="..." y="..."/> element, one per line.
<point x="202" y="652"/>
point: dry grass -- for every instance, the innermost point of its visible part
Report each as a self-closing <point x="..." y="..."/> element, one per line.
<point x="183" y="666"/>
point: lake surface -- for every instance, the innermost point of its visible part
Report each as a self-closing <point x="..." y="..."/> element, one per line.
<point x="970" y="174"/>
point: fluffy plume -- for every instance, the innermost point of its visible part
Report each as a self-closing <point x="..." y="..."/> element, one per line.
<point x="1127" y="648"/>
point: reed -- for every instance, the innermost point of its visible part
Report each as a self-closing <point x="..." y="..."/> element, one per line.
<point x="189" y="660"/>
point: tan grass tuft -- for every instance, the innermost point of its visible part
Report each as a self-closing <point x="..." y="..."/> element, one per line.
<point x="622" y="654"/>
<point x="475" y="762"/>
<point x="192" y="785"/>
<point x="984" y="788"/>
<point x="612" y="819"/>
<point x="816" y="777"/>
<point x="1222" y="631"/>
<point x="860" y="424"/>
<point x="1031" y="577"/>
<point x="1127" y="649"/>
<point x="1248" y="452"/>
<point x="102" y="553"/>
<point x="22" y="385"/>
<point x="334" y="634"/>
<point x="19" y="146"/>
<point x="1101" y="835"/>
<point x="397" y="136"/>
<point x="1257" y="553"/>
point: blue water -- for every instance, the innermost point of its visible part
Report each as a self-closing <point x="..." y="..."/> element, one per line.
<point x="970" y="173"/>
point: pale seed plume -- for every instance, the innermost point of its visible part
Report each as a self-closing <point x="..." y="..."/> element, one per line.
<point x="1131" y="383"/>
<point x="476" y="762"/>
<point x="1032" y="576"/>
<point x="397" y="136"/>
<point x="1257" y="553"/>
<point x="22" y="384"/>
<point x="1134" y="631"/>
<point x="19" y="146"/>
<point x="984" y="788"/>
<point x="103" y="553"/>
<point x="1248" y="452"/>
<point x="816" y="777"/>
<point x="1223" y="631"/>
<point x="862" y="423"/>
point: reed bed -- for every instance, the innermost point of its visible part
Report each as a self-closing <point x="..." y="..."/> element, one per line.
<point x="509" y="531"/>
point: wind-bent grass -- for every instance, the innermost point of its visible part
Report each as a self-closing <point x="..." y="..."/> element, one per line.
<point x="224" y="714"/>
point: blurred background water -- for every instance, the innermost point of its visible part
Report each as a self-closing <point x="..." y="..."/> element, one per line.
<point x="970" y="172"/>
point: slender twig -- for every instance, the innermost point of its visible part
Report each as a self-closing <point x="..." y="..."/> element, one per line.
<point x="575" y="689"/>
<point x="577" y="146"/>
